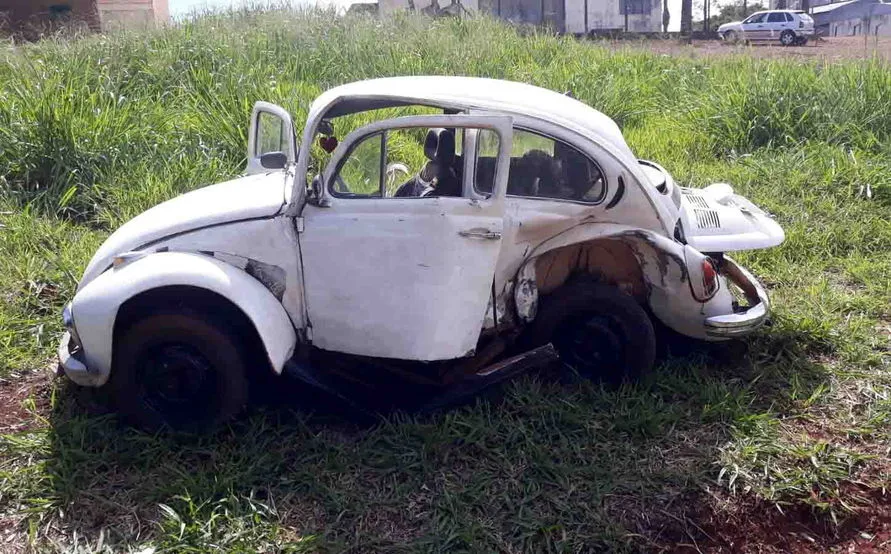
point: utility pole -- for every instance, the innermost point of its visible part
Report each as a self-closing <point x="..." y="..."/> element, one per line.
<point x="704" y="16"/>
<point x="625" y="3"/>
<point x="687" y="18"/>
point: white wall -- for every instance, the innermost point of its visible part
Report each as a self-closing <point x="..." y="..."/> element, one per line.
<point x="602" y="14"/>
<point x="877" y="25"/>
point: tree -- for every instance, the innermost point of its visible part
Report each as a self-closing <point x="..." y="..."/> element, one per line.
<point x="736" y="11"/>
<point x="686" y="16"/>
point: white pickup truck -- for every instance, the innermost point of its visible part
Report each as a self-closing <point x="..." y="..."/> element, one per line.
<point x="522" y="219"/>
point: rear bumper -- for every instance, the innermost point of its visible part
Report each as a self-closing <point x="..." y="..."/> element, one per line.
<point x="744" y="322"/>
<point x="71" y="360"/>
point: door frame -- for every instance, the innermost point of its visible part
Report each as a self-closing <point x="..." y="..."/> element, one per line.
<point x="502" y="125"/>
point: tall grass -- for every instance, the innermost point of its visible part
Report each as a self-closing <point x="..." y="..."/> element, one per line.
<point x="90" y="126"/>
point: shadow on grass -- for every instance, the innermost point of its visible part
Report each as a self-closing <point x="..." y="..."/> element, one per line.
<point x="540" y="464"/>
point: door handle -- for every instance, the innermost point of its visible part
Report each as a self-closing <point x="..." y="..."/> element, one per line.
<point x="480" y="233"/>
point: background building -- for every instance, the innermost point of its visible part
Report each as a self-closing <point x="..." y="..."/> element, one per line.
<point x="132" y="12"/>
<point x="34" y="16"/>
<point x="859" y="17"/>
<point x="569" y="16"/>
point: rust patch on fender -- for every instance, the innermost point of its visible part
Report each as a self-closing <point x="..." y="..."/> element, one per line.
<point x="609" y="260"/>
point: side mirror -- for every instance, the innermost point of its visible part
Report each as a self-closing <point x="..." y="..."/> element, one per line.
<point x="274" y="160"/>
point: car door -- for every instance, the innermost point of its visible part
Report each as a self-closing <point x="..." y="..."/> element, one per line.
<point x="754" y="27"/>
<point x="272" y="143"/>
<point x="401" y="277"/>
<point x="775" y="24"/>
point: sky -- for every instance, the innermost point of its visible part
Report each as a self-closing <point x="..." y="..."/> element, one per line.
<point x="179" y="8"/>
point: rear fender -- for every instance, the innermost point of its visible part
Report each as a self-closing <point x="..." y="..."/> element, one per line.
<point x="95" y="307"/>
<point x="645" y="264"/>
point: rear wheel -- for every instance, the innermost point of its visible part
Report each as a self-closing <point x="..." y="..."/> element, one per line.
<point x="180" y="370"/>
<point x="787" y="38"/>
<point x="599" y="331"/>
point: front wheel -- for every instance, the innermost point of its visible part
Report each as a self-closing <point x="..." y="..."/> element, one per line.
<point x="787" y="38"/>
<point x="731" y="36"/>
<point x="597" y="330"/>
<point x="178" y="370"/>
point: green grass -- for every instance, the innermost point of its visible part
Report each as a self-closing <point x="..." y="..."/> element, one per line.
<point x="93" y="130"/>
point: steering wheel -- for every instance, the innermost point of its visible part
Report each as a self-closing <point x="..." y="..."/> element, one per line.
<point x="393" y="183"/>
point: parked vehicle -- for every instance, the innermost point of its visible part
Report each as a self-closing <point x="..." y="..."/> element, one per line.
<point x="789" y="27"/>
<point x="526" y="220"/>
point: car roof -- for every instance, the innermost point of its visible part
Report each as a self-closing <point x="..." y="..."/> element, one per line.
<point x="472" y="92"/>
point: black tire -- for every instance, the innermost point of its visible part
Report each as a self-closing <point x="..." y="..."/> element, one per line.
<point x="179" y="370"/>
<point x="731" y="37"/>
<point x="787" y="38"/>
<point x="598" y="330"/>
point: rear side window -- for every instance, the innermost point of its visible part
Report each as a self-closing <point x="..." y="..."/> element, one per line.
<point x="776" y="18"/>
<point x="541" y="167"/>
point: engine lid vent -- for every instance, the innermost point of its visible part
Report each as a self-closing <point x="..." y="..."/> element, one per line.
<point x="695" y="199"/>
<point x="707" y="219"/>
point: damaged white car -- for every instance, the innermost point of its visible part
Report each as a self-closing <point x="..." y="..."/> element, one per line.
<point x="459" y="229"/>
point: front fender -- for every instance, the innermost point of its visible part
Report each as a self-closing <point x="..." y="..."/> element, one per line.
<point x="95" y="307"/>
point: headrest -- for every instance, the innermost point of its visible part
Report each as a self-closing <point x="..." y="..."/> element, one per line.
<point x="439" y="145"/>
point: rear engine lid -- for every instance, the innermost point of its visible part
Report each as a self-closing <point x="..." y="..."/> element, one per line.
<point x="717" y="220"/>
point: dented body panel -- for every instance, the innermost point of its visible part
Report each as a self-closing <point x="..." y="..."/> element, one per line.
<point x="428" y="278"/>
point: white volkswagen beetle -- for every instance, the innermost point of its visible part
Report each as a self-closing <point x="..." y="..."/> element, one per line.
<point x="523" y="220"/>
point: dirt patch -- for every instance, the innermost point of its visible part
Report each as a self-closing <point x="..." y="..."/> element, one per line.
<point x="739" y="527"/>
<point x="15" y="413"/>
<point x="828" y="49"/>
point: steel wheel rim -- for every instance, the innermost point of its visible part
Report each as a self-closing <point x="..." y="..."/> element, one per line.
<point x="176" y="380"/>
<point x="592" y="344"/>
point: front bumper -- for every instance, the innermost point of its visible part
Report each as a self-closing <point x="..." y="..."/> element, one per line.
<point x="744" y="322"/>
<point x="71" y="361"/>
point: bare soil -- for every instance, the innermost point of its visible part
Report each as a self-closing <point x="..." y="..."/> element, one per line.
<point x="751" y="526"/>
<point x="15" y="415"/>
<point x="827" y="49"/>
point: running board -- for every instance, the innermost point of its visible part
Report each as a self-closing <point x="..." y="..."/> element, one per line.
<point x="451" y="395"/>
<point x="492" y="375"/>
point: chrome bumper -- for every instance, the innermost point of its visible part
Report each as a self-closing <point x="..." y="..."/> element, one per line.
<point x="741" y="323"/>
<point x="73" y="366"/>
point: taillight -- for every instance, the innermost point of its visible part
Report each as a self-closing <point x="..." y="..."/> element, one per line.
<point x="709" y="277"/>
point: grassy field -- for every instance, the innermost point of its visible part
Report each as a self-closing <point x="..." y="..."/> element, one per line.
<point x="779" y="443"/>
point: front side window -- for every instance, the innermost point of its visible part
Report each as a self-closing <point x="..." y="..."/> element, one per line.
<point x="755" y="18"/>
<point x="402" y="163"/>
<point x="360" y="174"/>
<point x="541" y="167"/>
